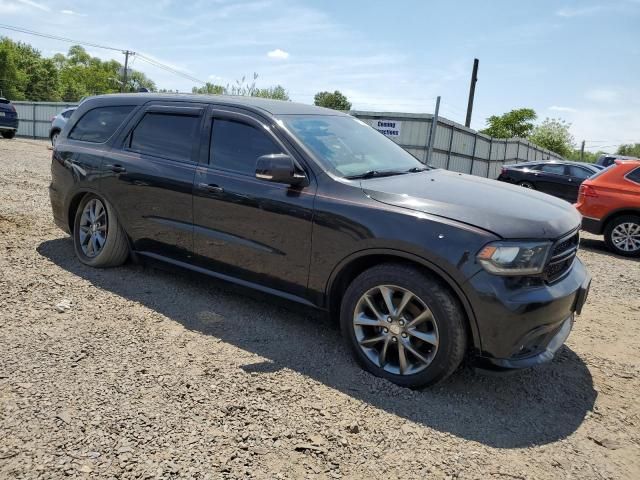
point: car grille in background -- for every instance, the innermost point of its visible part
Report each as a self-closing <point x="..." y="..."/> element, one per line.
<point x="562" y="255"/>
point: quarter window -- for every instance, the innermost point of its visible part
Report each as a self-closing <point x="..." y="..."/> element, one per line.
<point x="236" y="146"/>
<point x="579" y="172"/>
<point x="634" y="176"/>
<point x="98" y="124"/>
<point x="166" y="135"/>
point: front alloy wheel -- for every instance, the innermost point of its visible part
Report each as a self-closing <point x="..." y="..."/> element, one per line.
<point x="404" y="324"/>
<point x="396" y="330"/>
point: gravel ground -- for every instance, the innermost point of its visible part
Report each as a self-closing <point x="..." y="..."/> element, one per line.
<point x="137" y="373"/>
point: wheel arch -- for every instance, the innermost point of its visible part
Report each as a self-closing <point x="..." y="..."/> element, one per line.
<point x="356" y="263"/>
<point x="54" y="130"/>
<point x="617" y="213"/>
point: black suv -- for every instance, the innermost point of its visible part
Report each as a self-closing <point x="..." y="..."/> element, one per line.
<point x="422" y="266"/>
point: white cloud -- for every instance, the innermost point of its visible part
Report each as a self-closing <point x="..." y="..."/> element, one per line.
<point x="8" y="7"/>
<point x="557" y="108"/>
<point x="71" y="12"/>
<point x="569" y="12"/>
<point x="279" y="54"/>
<point x="37" y="5"/>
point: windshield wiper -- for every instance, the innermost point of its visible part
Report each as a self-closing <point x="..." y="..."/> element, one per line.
<point x="417" y="169"/>
<point x="375" y="174"/>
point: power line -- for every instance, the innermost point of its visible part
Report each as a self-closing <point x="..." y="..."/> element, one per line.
<point x="167" y="68"/>
<point x="144" y="58"/>
<point x="56" y="37"/>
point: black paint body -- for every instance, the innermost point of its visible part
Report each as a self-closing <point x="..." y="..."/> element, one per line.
<point x="563" y="184"/>
<point x="303" y="242"/>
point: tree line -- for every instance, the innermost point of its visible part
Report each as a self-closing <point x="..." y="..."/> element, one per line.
<point x="552" y="134"/>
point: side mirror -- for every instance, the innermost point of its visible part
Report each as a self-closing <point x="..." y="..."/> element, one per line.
<point x="280" y="168"/>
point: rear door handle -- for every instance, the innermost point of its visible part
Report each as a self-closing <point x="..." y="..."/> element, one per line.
<point x="211" y="187"/>
<point x="117" y="168"/>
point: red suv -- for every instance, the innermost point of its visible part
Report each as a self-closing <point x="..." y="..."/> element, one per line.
<point x="610" y="204"/>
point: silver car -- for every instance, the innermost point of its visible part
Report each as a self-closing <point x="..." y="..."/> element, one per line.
<point x="58" y="122"/>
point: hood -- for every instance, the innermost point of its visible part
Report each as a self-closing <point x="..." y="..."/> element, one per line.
<point x="507" y="210"/>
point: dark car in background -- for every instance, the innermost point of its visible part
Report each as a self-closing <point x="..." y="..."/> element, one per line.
<point x="422" y="267"/>
<point x="607" y="160"/>
<point x="560" y="179"/>
<point x="58" y="122"/>
<point x="8" y="119"/>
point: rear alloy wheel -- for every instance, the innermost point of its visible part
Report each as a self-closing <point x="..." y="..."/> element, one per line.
<point x="622" y="235"/>
<point x="98" y="238"/>
<point x="528" y="185"/>
<point x="403" y="325"/>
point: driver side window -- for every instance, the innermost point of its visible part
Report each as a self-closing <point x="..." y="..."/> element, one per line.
<point x="236" y="146"/>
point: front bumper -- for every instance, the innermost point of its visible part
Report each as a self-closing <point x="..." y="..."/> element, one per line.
<point x="521" y="325"/>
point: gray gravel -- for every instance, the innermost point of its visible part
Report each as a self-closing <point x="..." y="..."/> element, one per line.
<point x="137" y="373"/>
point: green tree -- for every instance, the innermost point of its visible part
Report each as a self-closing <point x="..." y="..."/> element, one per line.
<point x="630" y="150"/>
<point x="553" y="134"/>
<point x="335" y="100"/>
<point x="277" y="93"/>
<point x="9" y="74"/>
<point x="209" y="89"/>
<point x="516" y="123"/>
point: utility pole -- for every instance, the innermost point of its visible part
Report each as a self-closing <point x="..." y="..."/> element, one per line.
<point x="126" y="64"/>
<point x="472" y="92"/>
<point x="432" y="133"/>
<point x="582" y="152"/>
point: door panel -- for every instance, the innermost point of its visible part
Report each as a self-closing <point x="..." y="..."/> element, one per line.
<point x="252" y="229"/>
<point x="551" y="179"/>
<point x="152" y="187"/>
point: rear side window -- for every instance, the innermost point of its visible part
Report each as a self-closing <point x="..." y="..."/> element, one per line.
<point x="97" y="125"/>
<point x="166" y="135"/>
<point x="68" y="113"/>
<point x="553" y="168"/>
<point x="579" y="172"/>
<point x="634" y="175"/>
<point x="236" y="146"/>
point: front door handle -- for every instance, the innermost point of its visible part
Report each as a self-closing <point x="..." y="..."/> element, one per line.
<point x="117" y="168"/>
<point x="211" y="187"/>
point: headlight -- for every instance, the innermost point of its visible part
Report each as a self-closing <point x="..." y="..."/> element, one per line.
<point x="514" y="258"/>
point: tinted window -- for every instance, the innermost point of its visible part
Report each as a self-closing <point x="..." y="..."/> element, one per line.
<point x="634" y="176"/>
<point x="166" y="135"/>
<point x="99" y="124"/>
<point x="236" y="146"/>
<point x="579" y="172"/>
<point x="68" y="113"/>
<point x="553" y="168"/>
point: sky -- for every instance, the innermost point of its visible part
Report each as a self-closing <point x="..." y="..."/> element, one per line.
<point x="574" y="60"/>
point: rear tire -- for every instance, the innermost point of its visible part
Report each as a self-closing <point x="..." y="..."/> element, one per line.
<point x="622" y="235"/>
<point x="98" y="238"/>
<point x="8" y="134"/>
<point x="54" y="138"/>
<point x="413" y="352"/>
<point x="528" y="185"/>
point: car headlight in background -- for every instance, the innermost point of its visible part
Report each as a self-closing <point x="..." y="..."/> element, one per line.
<point x="514" y="258"/>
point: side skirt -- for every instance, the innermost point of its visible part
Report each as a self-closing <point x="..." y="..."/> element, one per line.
<point x="227" y="278"/>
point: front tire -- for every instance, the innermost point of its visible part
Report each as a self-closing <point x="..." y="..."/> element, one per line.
<point x="622" y="235"/>
<point x="404" y="325"/>
<point x="98" y="238"/>
<point x="9" y="134"/>
<point x="54" y="138"/>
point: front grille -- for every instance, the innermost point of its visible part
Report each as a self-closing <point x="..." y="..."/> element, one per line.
<point x="562" y="255"/>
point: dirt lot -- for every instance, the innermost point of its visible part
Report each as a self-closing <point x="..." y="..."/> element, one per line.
<point x="136" y="373"/>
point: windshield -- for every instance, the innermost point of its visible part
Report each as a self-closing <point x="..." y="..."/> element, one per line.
<point x="348" y="146"/>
